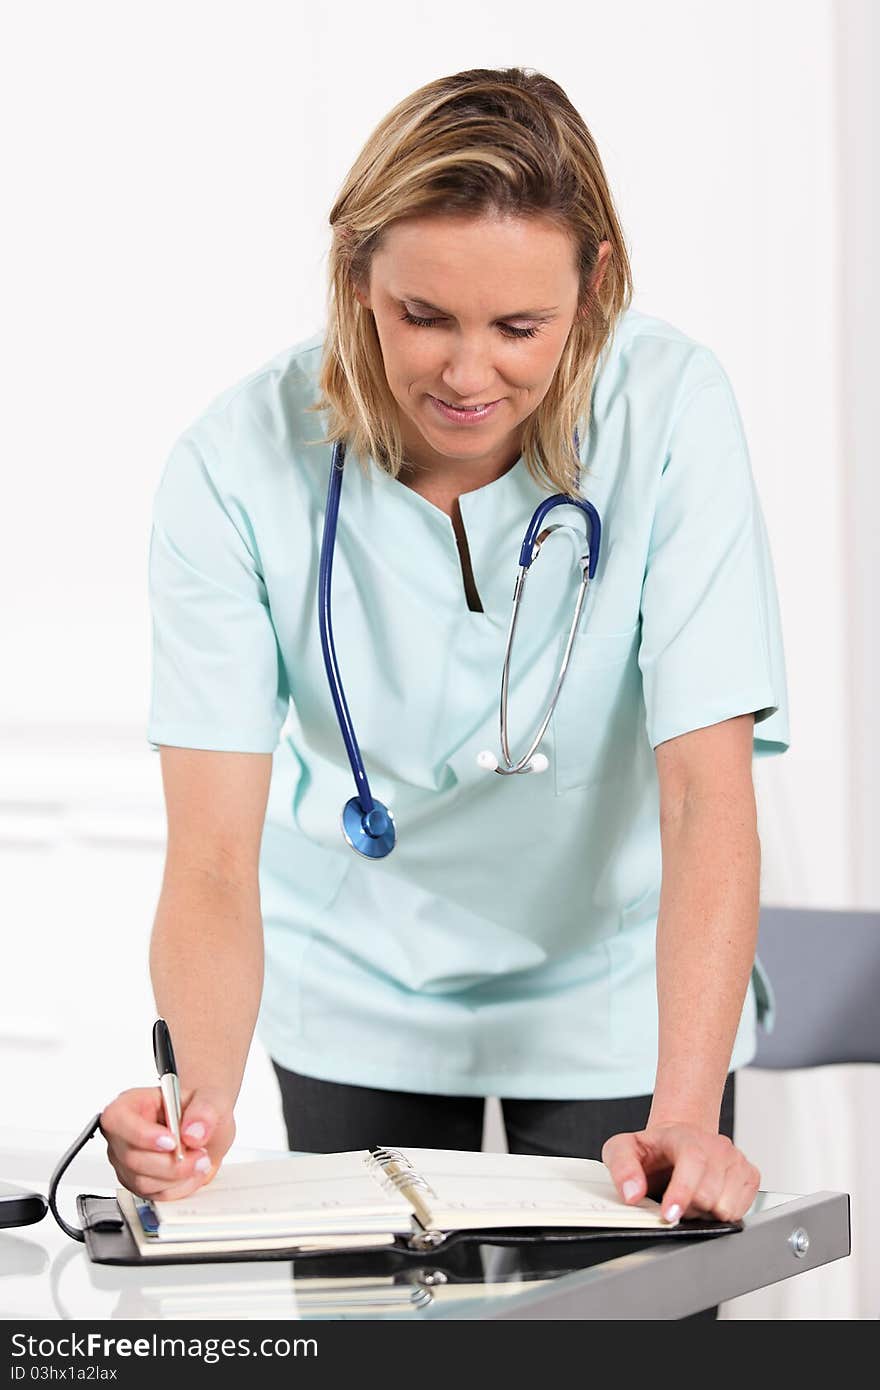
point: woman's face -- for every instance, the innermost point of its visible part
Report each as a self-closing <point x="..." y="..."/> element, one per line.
<point x="500" y="295"/>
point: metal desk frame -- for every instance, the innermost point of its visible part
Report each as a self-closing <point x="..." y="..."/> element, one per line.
<point x="672" y="1280"/>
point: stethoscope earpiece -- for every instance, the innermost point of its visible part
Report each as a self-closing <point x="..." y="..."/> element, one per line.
<point x="538" y="762"/>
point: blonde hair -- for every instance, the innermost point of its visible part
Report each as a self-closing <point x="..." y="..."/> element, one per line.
<point x="503" y="141"/>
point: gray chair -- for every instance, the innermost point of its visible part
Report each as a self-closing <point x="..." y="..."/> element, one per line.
<point x="824" y="970"/>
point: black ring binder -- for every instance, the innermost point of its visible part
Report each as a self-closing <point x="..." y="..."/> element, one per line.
<point x="108" y="1240"/>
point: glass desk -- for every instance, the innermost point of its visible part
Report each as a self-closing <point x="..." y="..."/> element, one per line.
<point x="43" y="1274"/>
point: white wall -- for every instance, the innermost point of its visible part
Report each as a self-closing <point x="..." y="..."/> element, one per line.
<point x="171" y="183"/>
<point x="170" y="238"/>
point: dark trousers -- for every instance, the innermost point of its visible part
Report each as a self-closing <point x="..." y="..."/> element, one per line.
<point x="330" y="1117"/>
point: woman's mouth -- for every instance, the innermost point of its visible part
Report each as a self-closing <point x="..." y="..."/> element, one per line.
<point x="463" y="415"/>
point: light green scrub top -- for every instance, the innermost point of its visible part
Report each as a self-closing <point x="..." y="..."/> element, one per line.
<point x="506" y="945"/>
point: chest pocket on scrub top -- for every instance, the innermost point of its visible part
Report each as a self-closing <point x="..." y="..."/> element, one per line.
<point x="598" y="715"/>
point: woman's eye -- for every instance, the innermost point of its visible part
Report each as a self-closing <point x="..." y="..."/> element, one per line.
<point x="505" y="327"/>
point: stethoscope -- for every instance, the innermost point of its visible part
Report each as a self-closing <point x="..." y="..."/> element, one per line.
<point x="367" y="825"/>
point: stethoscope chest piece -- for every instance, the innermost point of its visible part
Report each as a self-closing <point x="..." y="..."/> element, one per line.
<point x="372" y="835"/>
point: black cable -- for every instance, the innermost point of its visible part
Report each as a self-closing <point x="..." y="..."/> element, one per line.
<point x="61" y="1167"/>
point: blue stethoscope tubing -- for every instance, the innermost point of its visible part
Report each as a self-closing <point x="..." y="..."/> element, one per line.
<point x="368" y="825"/>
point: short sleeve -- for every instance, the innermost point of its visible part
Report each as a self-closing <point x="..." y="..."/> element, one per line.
<point x="711" y="641"/>
<point x="218" y="680"/>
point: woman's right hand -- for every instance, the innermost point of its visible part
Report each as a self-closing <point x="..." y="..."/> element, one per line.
<point x="140" y="1146"/>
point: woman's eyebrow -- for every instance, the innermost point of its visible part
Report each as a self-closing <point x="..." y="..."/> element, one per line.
<point x="520" y="314"/>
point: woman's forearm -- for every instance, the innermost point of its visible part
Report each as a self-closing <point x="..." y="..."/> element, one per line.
<point x="706" y="935"/>
<point x="206" y="963"/>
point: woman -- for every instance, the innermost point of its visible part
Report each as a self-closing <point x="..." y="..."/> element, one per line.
<point x="578" y="943"/>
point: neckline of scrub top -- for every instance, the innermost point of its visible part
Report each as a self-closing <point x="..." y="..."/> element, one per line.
<point x="495" y="517"/>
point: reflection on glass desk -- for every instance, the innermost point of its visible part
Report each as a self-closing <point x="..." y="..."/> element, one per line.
<point x="594" y="1278"/>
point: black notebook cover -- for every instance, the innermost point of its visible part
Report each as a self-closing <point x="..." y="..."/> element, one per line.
<point x="109" y="1241"/>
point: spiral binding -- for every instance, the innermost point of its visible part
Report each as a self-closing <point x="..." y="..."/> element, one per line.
<point x="411" y="1177"/>
<point x="409" y="1182"/>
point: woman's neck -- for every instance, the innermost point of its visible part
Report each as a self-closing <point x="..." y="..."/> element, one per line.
<point x="442" y="481"/>
<point x="442" y="484"/>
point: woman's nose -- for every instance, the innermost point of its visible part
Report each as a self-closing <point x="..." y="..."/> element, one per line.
<point x="469" y="373"/>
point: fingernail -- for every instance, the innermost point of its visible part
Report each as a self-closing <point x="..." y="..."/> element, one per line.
<point x="203" y="1164"/>
<point x="672" y="1213"/>
<point x="164" y="1141"/>
<point x="195" y="1130"/>
<point x="630" y="1188"/>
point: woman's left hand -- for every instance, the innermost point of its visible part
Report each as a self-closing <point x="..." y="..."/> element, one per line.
<point x="691" y="1171"/>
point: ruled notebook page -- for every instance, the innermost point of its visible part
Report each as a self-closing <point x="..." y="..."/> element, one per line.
<point x="470" y="1190"/>
<point x="302" y="1193"/>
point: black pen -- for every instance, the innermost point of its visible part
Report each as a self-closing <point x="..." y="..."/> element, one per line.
<point x="168" y="1081"/>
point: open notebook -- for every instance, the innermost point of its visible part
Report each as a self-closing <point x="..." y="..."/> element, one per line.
<point x="371" y="1197"/>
